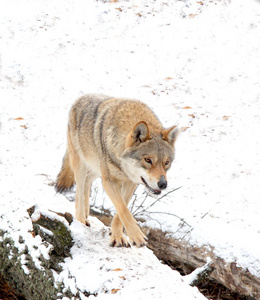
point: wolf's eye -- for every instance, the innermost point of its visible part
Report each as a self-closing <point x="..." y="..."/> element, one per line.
<point x="167" y="162"/>
<point x="148" y="160"/>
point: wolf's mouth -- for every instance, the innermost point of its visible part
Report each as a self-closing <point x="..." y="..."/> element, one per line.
<point x="156" y="192"/>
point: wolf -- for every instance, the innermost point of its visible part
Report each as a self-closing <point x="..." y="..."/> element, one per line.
<point x="123" y="142"/>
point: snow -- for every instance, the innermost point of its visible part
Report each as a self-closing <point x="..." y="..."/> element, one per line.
<point x="196" y="64"/>
<point x="133" y="270"/>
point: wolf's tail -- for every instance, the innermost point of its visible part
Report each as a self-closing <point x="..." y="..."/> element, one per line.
<point x="65" y="179"/>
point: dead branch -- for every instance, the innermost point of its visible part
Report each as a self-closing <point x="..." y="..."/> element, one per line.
<point x="53" y="229"/>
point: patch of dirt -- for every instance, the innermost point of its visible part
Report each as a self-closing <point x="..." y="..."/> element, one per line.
<point x="7" y="292"/>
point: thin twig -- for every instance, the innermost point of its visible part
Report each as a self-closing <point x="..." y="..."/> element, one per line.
<point x="133" y="202"/>
<point x="170" y="214"/>
<point x="141" y="205"/>
<point x="159" y="199"/>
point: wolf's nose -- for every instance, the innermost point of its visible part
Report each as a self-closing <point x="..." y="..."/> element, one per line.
<point x="162" y="184"/>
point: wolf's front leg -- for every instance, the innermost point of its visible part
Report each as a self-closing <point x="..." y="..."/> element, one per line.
<point x="117" y="238"/>
<point x="115" y="193"/>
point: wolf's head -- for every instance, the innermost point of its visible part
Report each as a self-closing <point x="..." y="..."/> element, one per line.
<point x="148" y="157"/>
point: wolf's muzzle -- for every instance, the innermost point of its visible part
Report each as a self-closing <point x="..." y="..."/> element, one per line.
<point x="156" y="192"/>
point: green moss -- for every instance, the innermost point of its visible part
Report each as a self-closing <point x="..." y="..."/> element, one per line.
<point x="61" y="239"/>
<point x="38" y="284"/>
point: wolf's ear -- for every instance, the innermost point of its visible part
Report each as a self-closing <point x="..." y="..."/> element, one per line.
<point x="170" y="135"/>
<point x="140" y="133"/>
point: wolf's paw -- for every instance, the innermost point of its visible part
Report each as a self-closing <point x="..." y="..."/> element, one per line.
<point x="139" y="239"/>
<point x="139" y="242"/>
<point x="84" y="221"/>
<point x="119" y="241"/>
<point x="87" y="223"/>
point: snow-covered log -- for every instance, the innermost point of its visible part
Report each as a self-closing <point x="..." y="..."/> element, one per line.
<point x="53" y="228"/>
<point x="189" y="257"/>
<point x="57" y="257"/>
<point x="28" y="280"/>
<point x="17" y="263"/>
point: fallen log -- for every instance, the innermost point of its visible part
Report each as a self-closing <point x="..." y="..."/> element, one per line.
<point x="32" y="264"/>
<point x="54" y="228"/>
<point x="186" y="257"/>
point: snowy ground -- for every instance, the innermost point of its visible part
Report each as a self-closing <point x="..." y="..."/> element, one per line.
<point x="195" y="63"/>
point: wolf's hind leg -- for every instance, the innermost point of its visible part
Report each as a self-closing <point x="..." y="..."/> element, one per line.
<point x="87" y="188"/>
<point x="84" y="179"/>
